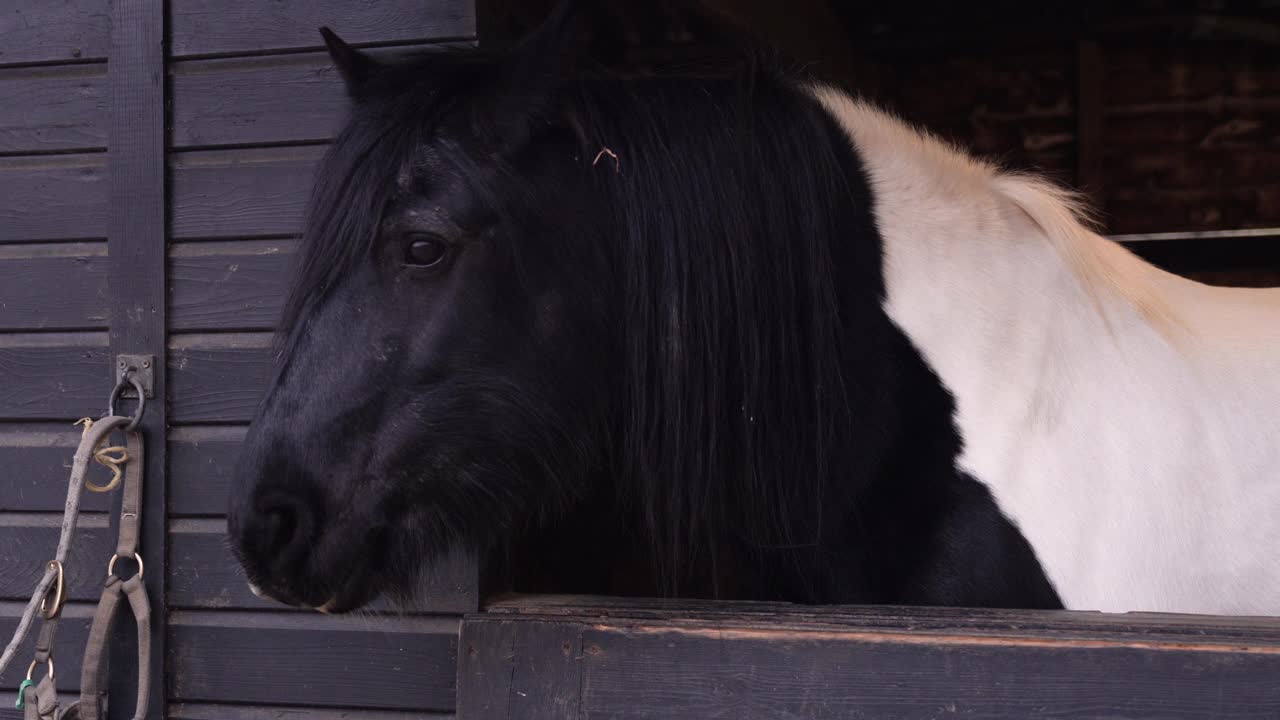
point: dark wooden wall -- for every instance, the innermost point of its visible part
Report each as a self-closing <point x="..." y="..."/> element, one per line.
<point x="54" y="304"/>
<point x="250" y="101"/>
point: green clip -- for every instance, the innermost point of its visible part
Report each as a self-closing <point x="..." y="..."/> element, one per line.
<point x="22" y="693"/>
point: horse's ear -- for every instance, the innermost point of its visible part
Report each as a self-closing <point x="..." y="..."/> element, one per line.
<point x="354" y="65"/>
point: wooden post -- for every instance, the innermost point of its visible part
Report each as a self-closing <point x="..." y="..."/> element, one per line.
<point x="136" y="281"/>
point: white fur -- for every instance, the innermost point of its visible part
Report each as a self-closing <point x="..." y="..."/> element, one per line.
<point x="1127" y="420"/>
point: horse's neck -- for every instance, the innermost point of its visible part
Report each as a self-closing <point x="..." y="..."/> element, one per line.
<point x="991" y="305"/>
<point x="1123" y="418"/>
<point x="1008" y="316"/>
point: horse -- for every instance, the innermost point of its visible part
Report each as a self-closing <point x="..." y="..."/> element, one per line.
<point x="726" y="331"/>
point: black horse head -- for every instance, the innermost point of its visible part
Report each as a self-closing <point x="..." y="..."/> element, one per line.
<point x="532" y="288"/>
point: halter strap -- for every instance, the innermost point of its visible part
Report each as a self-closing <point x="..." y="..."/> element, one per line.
<point x="39" y="701"/>
<point x="93" y="672"/>
<point x="92" y="437"/>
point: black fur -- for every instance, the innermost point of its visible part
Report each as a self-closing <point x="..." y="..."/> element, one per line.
<point x="657" y="361"/>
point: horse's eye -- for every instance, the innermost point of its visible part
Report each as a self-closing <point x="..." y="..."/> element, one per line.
<point x="425" y="251"/>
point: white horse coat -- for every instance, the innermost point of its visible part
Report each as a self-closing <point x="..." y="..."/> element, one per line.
<point x="1125" y="419"/>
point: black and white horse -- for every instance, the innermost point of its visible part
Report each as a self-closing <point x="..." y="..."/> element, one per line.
<point x="727" y="332"/>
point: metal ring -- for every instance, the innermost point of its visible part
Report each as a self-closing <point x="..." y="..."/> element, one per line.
<point x="50" y="612"/>
<point x="131" y="379"/>
<point x="111" y="565"/>
<point x="31" y="669"/>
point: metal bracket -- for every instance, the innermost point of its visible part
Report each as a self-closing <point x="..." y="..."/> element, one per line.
<point x="143" y="367"/>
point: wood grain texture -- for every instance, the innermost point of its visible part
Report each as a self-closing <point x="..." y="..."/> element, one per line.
<point x="27" y="542"/>
<point x="631" y="674"/>
<point x="1061" y="625"/>
<point x="60" y="197"/>
<point x="203" y="574"/>
<point x="764" y="660"/>
<point x="312" y="660"/>
<point x="260" y="100"/>
<point x="48" y="109"/>
<point x="54" y="376"/>
<point x="68" y="649"/>
<point x="202" y="461"/>
<point x="54" y="286"/>
<point x="228" y="286"/>
<point x="241" y="193"/>
<point x="37" y="463"/>
<point x="203" y="711"/>
<point x="520" y="670"/>
<point x="41" y="31"/>
<point x="218" y="378"/>
<point x="136" y="236"/>
<point x="204" y="27"/>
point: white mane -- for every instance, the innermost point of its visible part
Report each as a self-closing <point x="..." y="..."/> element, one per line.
<point x="1126" y="420"/>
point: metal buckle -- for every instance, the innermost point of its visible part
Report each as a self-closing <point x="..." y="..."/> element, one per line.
<point x="111" y="565"/>
<point x="47" y="611"/>
<point x="31" y="669"/>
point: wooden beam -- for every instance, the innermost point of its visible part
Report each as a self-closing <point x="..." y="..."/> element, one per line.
<point x="136" y="282"/>
<point x="587" y="657"/>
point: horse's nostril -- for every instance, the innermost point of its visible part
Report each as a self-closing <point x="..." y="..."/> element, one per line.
<point x="280" y="525"/>
<point x="283" y="528"/>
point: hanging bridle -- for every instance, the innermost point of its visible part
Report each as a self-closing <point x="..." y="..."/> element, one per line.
<point x="38" y="699"/>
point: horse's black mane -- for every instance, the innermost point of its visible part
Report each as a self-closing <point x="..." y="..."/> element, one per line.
<point x="732" y="206"/>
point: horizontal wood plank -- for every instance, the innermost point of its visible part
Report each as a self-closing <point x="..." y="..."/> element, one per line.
<point x="202" y="462"/>
<point x="218" y="378"/>
<point x="61" y="197"/>
<point x="299" y="659"/>
<point x="206" y="27"/>
<point x="631" y="673"/>
<point x="37" y="463"/>
<point x="228" y="286"/>
<point x="48" y="109"/>
<point x="748" y="661"/>
<point x="1062" y="625"/>
<point x="261" y="100"/>
<point x="54" y="286"/>
<point x="241" y="193"/>
<point x="41" y="31"/>
<point x="203" y="711"/>
<point x="54" y="376"/>
<point x="203" y="574"/>
<point x="27" y="542"/>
